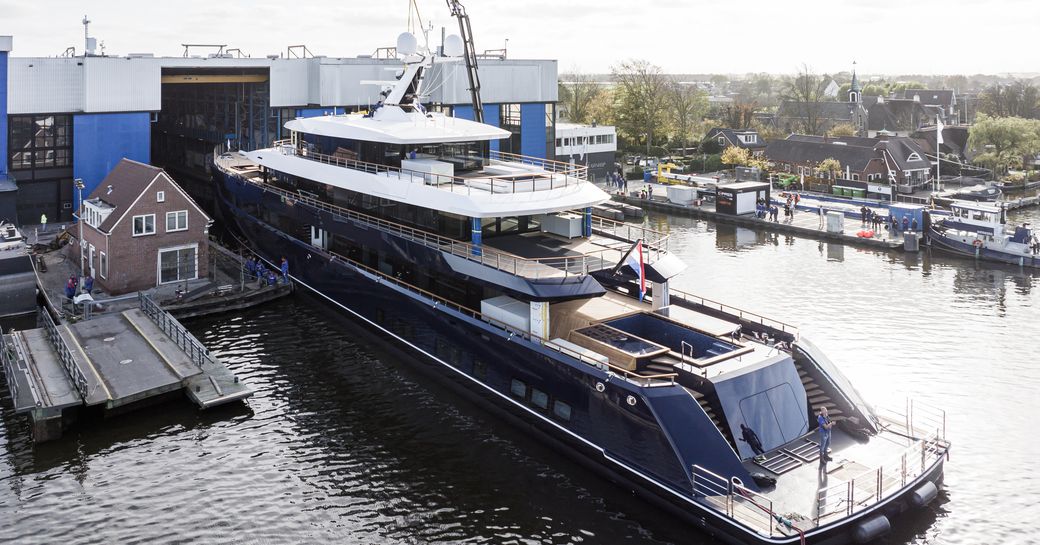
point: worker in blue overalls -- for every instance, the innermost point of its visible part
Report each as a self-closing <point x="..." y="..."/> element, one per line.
<point x="285" y="270"/>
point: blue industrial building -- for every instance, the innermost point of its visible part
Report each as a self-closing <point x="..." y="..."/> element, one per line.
<point x="67" y="118"/>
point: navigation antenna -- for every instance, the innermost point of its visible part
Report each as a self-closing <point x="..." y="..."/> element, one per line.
<point x="459" y="12"/>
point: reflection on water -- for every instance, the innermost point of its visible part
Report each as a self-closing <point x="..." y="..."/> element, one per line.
<point x="345" y="443"/>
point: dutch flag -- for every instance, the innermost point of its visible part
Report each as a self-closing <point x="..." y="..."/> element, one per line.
<point x="635" y="260"/>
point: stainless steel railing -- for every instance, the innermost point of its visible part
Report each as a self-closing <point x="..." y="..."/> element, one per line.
<point x="64" y="354"/>
<point x="553" y="174"/>
<point x="196" y="351"/>
<point x="733" y="311"/>
<point x="534" y="268"/>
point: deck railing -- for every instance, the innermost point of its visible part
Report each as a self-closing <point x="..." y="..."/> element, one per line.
<point x="728" y="496"/>
<point x="196" y="351"/>
<point x="61" y="348"/>
<point x="733" y="311"/>
<point x="550" y="174"/>
<point x="533" y="268"/>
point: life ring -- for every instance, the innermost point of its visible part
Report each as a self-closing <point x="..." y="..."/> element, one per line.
<point x="977" y="243"/>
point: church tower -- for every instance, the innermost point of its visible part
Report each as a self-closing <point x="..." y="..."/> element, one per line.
<point x="856" y="102"/>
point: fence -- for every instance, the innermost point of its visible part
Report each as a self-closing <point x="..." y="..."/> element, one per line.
<point x="733" y="311"/>
<point x="187" y="342"/>
<point x="64" y="353"/>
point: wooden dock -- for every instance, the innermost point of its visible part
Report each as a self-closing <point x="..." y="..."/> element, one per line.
<point x="115" y="361"/>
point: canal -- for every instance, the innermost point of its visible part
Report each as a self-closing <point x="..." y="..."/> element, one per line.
<point x="345" y="443"/>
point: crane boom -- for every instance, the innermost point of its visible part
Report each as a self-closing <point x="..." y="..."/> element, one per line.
<point x="466" y="32"/>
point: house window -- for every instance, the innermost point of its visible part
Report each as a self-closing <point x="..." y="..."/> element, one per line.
<point x="160" y="196"/>
<point x="539" y="398"/>
<point x="144" y="225"/>
<point x="177" y="221"/>
<point x="562" y="410"/>
<point x="103" y="264"/>
<point x="176" y="264"/>
<point x="722" y="140"/>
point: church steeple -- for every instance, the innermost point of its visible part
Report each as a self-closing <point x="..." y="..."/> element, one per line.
<point x="855" y="90"/>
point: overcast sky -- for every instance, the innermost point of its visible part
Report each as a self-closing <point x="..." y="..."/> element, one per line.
<point x="693" y="36"/>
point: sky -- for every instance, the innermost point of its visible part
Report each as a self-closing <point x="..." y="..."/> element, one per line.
<point x="693" y="36"/>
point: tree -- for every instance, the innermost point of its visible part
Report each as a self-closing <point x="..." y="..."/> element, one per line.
<point x="1018" y="99"/>
<point x="843" y="129"/>
<point x="831" y="166"/>
<point x="642" y="104"/>
<point x="735" y="156"/>
<point x="805" y="92"/>
<point x="577" y="93"/>
<point x="688" y="104"/>
<point x="740" y="114"/>
<point x="601" y="107"/>
<point x="1001" y="142"/>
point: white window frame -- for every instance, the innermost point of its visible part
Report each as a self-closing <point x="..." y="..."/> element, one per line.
<point x="174" y="214"/>
<point x="103" y="264"/>
<point x="160" y="196"/>
<point x="158" y="263"/>
<point x="133" y="225"/>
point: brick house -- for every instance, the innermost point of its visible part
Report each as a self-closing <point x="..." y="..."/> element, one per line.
<point x="142" y="230"/>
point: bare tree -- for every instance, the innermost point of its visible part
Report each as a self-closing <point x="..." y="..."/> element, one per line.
<point x="740" y="113"/>
<point x="642" y="99"/>
<point x="688" y="105"/>
<point x="804" y="94"/>
<point x="577" y="93"/>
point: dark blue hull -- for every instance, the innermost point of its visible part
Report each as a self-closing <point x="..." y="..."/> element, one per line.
<point x="938" y="239"/>
<point x="632" y="443"/>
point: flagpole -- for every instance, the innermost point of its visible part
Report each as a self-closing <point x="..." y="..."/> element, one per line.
<point x="938" y="157"/>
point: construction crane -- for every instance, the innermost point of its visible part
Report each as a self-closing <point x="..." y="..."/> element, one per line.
<point x="459" y="12"/>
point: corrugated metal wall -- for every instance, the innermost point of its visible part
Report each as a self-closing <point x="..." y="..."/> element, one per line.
<point x="112" y="84"/>
<point x="501" y="81"/>
<point x="44" y="85"/>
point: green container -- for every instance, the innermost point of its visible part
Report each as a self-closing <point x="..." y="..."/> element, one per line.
<point x="836" y="190"/>
<point x="859" y="193"/>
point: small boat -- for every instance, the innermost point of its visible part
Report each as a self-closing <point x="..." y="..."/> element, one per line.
<point x="978" y="192"/>
<point x="979" y="231"/>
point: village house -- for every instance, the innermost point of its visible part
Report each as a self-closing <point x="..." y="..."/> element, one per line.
<point x="742" y="138"/>
<point x="894" y="161"/>
<point x="142" y="230"/>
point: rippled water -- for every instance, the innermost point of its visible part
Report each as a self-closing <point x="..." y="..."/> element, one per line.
<point x="345" y="443"/>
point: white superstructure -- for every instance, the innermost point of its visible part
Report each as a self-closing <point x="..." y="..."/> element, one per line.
<point x="398" y="151"/>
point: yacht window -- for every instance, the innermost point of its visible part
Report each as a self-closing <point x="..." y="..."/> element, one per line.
<point x="518" y="388"/>
<point x="539" y="398"/>
<point x="562" y="410"/>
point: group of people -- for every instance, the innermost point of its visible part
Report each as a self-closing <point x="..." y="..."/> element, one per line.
<point x="618" y="182"/>
<point x="264" y="276"/>
<point x="875" y="220"/>
<point x="647" y="192"/>
<point x="72" y="285"/>
<point x="870" y="217"/>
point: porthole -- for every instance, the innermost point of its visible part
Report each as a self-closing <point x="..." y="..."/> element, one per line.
<point x="600" y="387"/>
<point x="631" y="400"/>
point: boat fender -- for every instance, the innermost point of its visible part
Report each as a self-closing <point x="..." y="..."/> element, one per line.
<point x="924" y="494"/>
<point x="977" y="243"/>
<point x="871" y="529"/>
<point x="763" y="480"/>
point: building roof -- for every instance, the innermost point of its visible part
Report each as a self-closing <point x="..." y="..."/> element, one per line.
<point x="122" y="187"/>
<point x="932" y="97"/>
<point x="851" y="151"/>
<point x="896" y="115"/>
<point x="843" y="111"/>
<point x="732" y="135"/>
<point x="955" y="139"/>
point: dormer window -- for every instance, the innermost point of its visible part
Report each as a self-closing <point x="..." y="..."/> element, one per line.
<point x="913" y="157"/>
<point x="160" y="196"/>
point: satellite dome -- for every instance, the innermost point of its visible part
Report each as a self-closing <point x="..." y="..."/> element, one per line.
<point x="453" y="46"/>
<point x="407" y="44"/>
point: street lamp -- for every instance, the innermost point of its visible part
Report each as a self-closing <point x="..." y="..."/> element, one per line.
<point x="82" y="243"/>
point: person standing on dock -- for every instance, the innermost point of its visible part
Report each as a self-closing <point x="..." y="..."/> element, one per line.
<point x="825" y="434"/>
<point x="285" y="270"/>
<point x="906" y="223"/>
<point x="70" y="287"/>
<point x="913" y="226"/>
<point x="88" y="284"/>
